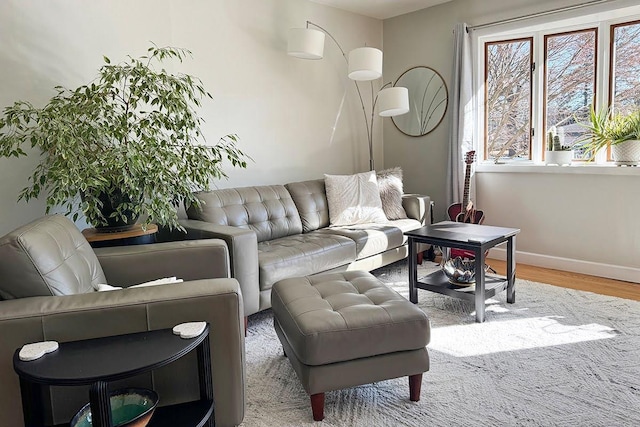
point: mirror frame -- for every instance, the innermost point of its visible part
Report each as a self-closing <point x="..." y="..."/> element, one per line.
<point x="446" y="100"/>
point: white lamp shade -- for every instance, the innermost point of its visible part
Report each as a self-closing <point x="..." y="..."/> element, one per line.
<point x="365" y="63"/>
<point x="305" y="43"/>
<point x="393" y="101"/>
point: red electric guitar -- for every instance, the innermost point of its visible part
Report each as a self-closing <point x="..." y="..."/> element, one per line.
<point x="465" y="212"/>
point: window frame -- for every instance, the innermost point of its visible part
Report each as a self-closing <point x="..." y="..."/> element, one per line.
<point x="538" y="29"/>
<point x="545" y="38"/>
<point x="485" y="76"/>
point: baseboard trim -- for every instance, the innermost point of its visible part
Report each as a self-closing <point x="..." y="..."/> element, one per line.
<point x="610" y="271"/>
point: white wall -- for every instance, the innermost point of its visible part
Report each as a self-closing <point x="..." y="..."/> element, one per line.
<point x="570" y="221"/>
<point x="297" y="119"/>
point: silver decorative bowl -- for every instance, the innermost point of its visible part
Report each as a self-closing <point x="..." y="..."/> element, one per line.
<point x="460" y="271"/>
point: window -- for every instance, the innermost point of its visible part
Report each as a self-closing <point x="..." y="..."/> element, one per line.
<point x="625" y="66"/>
<point x="569" y="86"/>
<point x="547" y="77"/>
<point x="508" y="99"/>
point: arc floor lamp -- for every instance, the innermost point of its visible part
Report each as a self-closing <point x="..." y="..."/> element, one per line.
<point x="364" y="64"/>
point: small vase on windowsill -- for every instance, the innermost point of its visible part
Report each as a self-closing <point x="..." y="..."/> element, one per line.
<point x="559" y="158"/>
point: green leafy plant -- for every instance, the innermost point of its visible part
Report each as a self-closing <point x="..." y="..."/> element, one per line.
<point x="605" y="127"/>
<point x="133" y="135"/>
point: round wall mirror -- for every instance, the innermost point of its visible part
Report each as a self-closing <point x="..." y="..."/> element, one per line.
<point x="428" y="101"/>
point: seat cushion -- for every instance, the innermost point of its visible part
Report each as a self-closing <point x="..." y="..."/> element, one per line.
<point x="337" y="317"/>
<point x="301" y="255"/>
<point x="372" y="239"/>
<point x="48" y="256"/>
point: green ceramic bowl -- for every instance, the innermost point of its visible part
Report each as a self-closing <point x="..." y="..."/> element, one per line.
<point x="131" y="407"/>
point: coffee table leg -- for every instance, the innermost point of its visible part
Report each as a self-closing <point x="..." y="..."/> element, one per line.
<point x="413" y="271"/>
<point x="511" y="269"/>
<point x="479" y="293"/>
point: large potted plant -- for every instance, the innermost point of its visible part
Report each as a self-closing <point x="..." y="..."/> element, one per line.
<point x="128" y="144"/>
<point x="621" y="131"/>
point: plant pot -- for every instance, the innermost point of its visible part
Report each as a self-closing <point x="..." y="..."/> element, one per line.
<point x="626" y="153"/>
<point x="559" y="158"/>
<point x="110" y="202"/>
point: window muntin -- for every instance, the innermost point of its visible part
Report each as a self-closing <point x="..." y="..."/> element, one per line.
<point x="508" y="99"/>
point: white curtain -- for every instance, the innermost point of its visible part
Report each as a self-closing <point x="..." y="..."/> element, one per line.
<point x="462" y="116"/>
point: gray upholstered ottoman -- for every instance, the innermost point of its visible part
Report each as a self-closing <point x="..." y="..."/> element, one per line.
<point x="341" y="330"/>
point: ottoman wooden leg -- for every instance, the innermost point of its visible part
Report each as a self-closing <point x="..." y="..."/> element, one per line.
<point x="415" y="381"/>
<point x="317" y="406"/>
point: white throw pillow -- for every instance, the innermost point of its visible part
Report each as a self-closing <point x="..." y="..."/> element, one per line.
<point x="354" y="199"/>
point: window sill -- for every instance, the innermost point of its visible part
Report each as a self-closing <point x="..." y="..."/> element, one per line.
<point x="580" y="169"/>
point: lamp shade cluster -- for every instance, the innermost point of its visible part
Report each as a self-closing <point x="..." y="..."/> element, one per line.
<point x="364" y="63"/>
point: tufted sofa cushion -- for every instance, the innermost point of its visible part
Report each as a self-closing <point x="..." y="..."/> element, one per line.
<point x="267" y="210"/>
<point x="310" y="198"/>
<point x="301" y="255"/>
<point x="48" y="256"/>
<point x="336" y="317"/>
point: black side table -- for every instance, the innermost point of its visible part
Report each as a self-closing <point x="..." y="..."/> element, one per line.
<point x="472" y="237"/>
<point x="98" y="361"/>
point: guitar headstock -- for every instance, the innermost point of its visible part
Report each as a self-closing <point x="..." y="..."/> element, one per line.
<point x="470" y="157"/>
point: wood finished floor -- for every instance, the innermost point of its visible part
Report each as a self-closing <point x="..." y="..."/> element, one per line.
<point x="582" y="282"/>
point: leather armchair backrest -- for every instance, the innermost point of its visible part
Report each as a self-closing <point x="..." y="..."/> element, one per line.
<point x="48" y="256"/>
<point x="310" y="198"/>
<point x="267" y="210"/>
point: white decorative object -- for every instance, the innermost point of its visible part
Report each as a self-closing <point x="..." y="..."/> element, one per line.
<point x="36" y="350"/>
<point x="305" y="43"/>
<point x="393" y="101"/>
<point x="101" y="287"/>
<point x="354" y="199"/>
<point x="190" y="329"/>
<point x="626" y="153"/>
<point x="365" y="63"/>
<point x="559" y="158"/>
<point x="163" y="281"/>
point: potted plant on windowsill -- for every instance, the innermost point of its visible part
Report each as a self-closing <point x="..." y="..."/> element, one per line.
<point x="621" y="131"/>
<point x="556" y="153"/>
<point x="128" y="144"/>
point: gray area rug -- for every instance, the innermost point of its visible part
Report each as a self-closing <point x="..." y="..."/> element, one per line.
<point x="557" y="357"/>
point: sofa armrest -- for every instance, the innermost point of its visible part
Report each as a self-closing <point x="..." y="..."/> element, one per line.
<point x="417" y="207"/>
<point x="188" y="260"/>
<point x="243" y="253"/>
<point x="98" y="314"/>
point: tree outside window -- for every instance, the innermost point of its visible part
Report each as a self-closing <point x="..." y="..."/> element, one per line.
<point x="570" y="82"/>
<point x="508" y="99"/>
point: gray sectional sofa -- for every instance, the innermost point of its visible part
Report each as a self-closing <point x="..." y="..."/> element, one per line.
<point x="280" y="231"/>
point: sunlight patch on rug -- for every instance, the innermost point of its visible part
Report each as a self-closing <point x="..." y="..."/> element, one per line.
<point x="513" y="335"/>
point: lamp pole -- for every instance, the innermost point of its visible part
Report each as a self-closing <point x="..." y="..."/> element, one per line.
<point x="368" y="123"/>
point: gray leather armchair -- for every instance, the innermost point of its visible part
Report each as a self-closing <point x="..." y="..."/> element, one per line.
<point x="47" y="273"/>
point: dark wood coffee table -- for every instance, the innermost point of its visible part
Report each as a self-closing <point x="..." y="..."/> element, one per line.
<point x="98" y="361"/>
<point x="472" y="237"/>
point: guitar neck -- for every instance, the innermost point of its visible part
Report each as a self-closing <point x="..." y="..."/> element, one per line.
<point x="465" y="194"/>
